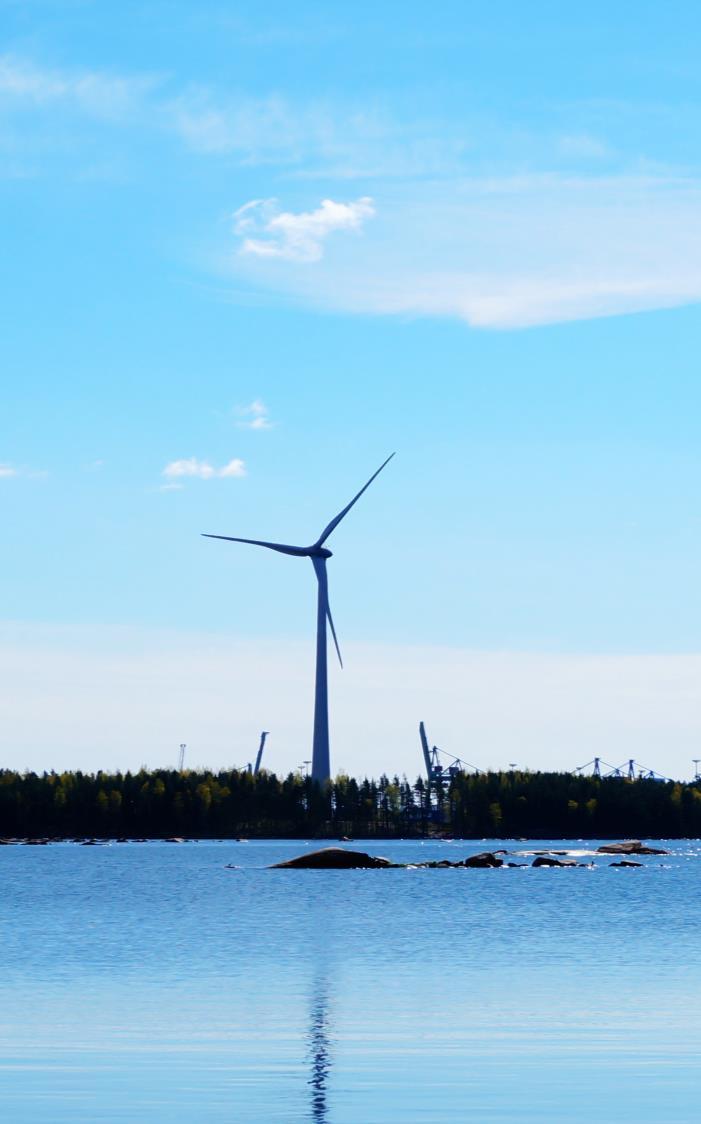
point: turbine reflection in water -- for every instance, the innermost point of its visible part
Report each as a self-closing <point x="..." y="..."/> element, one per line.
<point x="319" y="1051"/>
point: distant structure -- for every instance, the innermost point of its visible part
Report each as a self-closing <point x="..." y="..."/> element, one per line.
<point x="631" y="770"/>
<point x="435" y="769"/>
<point x="181" y="757"/>
<point x="321" y="761"/>
<point x="697" y="775"/>
<point x="256" y="768"/>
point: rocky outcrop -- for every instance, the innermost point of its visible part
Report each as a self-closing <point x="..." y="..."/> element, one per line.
<point x="626" y="862"/>
<point x="630" y="847"/>
<point x="484" y="859"/>
<point x="545" y="860"/>
<point x="333" y="858"/>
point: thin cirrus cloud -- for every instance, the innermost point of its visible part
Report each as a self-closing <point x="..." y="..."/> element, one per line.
<point x="504" y="253"/>
<point x="267" y="232"/>
<point x="12" y="472"/>
<point x="253" y="416"/>
<point x="498" y="252"/>
<point x="192" y="468"/>
<point x="94" y="92"/>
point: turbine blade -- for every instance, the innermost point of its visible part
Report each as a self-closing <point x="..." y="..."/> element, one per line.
<point x="333" y="633"/>
<point x="282" y="548"/>
<point x="334" y="522"/>
<point x="319" y="565"/>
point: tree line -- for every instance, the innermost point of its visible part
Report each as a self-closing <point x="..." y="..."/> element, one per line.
<point x="234" y="803"/>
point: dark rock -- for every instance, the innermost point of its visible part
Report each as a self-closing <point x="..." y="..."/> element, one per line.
<point x="485" y="858"/>
<point x="333" y="858"/>
<point x="544" y="860"/>
<point x="626" y="862"/>
<point x="522" y="866"/>
<point x="630" y="847"/>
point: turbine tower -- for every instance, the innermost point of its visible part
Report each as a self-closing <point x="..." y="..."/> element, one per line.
<point x="321" y="764"/>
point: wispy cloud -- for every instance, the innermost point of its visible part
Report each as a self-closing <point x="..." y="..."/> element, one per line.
<point x="507" y="252"/>
<point x="499" y="251"/>
<point x="253" y="416"/>
<point x="584" y="146"/>
<point x="258" y="129"/>
<point x="203" y="470"/>
<point x="296" y="237"/>
<point x="98" y="93"/>
<point x="11" y="471"/>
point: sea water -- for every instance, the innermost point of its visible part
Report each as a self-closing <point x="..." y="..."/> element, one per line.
<point x="164" y="982"/>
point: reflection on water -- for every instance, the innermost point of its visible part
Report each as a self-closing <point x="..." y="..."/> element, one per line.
<point x="319" y="1052"/>
<point x="150" y="982"/>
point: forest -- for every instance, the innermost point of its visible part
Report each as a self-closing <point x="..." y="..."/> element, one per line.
<point x="234" y="804"/>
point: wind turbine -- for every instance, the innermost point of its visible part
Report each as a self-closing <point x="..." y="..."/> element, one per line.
<point x="321" y="764"/>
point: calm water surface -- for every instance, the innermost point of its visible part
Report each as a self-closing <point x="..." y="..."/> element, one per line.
<point x="148" y="982"/>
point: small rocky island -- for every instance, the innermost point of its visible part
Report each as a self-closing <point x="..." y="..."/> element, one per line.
<point x="340" y="858"/>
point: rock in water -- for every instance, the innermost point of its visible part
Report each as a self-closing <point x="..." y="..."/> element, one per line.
<point x="625" y="862"/>
<point x="333" y="858"/>
<point x="543" y="860"/>
<point x="630" y="847"/>
<point x="485" y="858"/>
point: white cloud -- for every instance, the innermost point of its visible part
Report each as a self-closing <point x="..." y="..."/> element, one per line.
<point x="502" y="253"/>
<point x="296" y="237"/>
<point x="203" y="470"/>
<point x="235" y="467"/>
<point x="253" y="416"/>
<point x="7" y="471"/>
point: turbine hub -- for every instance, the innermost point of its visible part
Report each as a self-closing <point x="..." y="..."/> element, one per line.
<point x="320" y="552"/>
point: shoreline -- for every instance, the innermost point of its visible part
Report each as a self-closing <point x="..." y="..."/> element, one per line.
<point x="102" y="840"/>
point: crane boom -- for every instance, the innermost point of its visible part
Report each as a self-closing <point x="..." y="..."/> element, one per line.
<point x="259" y="756"/>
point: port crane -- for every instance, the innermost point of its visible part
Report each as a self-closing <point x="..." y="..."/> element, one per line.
<point x="630" y="770"/>
<point x="255" y="769"/>
<point x="435" y="769"/>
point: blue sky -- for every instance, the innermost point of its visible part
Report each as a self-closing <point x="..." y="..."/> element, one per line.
<point x="249" y="252"/>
